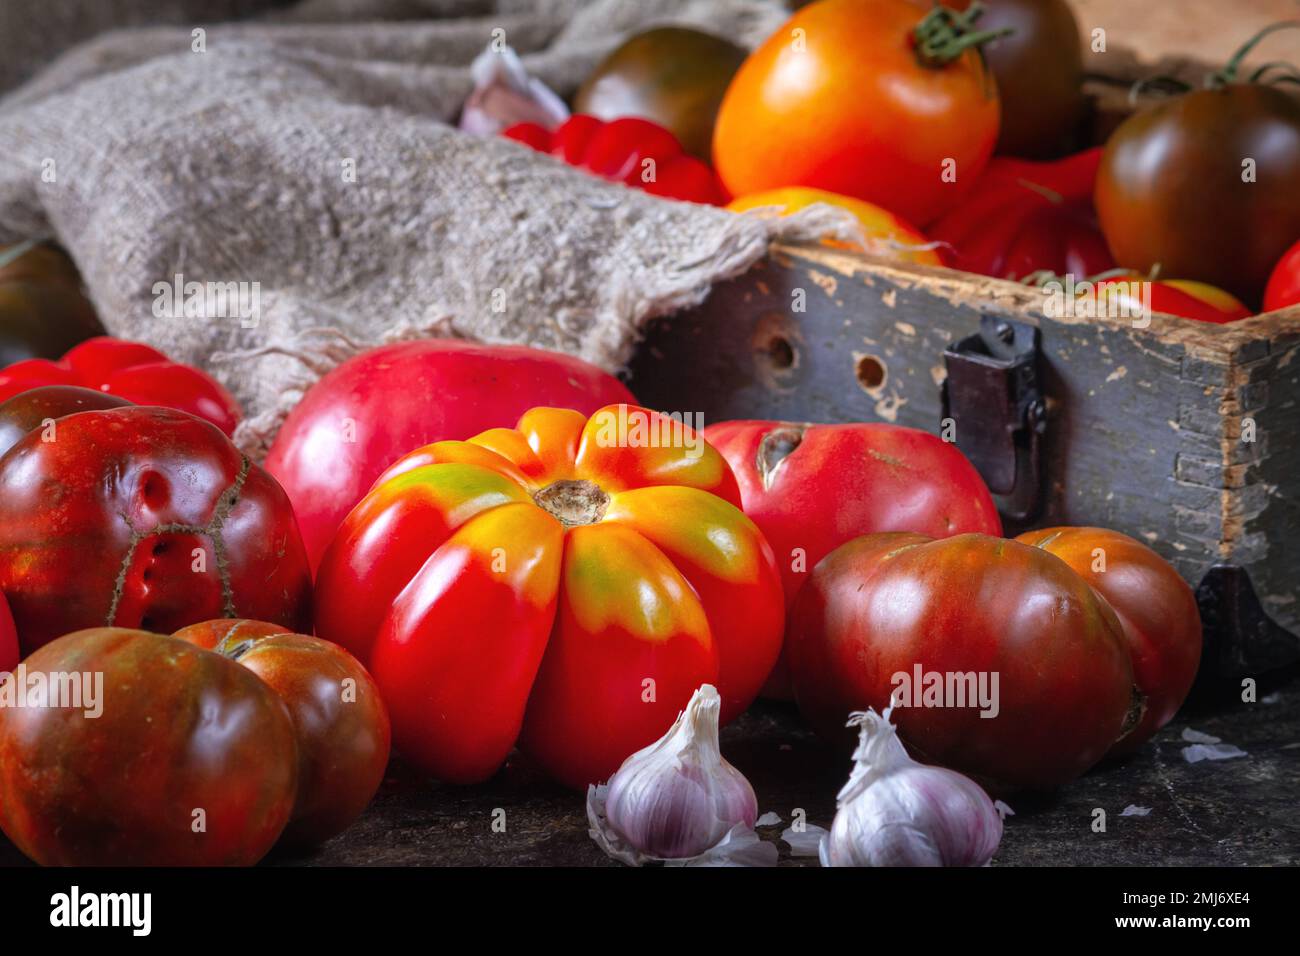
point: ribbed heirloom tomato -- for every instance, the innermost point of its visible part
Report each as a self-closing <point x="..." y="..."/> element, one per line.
<point x="567" y="583"/>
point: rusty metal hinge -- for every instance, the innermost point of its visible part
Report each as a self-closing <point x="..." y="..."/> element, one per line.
<point x="994" y="397"/>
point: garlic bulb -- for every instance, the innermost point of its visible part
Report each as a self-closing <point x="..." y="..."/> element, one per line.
<point x="897" y="812"/>
<point x="504" y="94"/>
<point x="677" y="798"/>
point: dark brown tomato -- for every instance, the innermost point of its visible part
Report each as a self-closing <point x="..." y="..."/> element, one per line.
<point x="43" y="312"/>
<point x="191" y="760"/>
<point x="36" y="407"/>
<point x="1039" y="71"/>
<point x="674" y="76"/>
<point x="882" y="605"/>
<point x="1162" y="623"/>
<point x="1206" y="185"/>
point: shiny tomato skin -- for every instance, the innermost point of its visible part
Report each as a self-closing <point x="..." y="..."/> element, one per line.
<point x="1172" y="188"/>
<point x="1185" y="298"/>
<point x="375" y="407"/>
<point x="181" y="730"/>
<point x="143" y="517"/>
<point x="43" y="311"/>
<point x="554" y="585"/>
<point x="8" y="637"/>
<point x="854" y="112"/>
<point x="35" y="407"/>
<point x="1284" y="283"/>
<point x="883" y="604"/>
<point x="133" y="371"/>
<point x="1158" y="611"/>
<point x="810" y="488"/>
<point x="340" y="723"/>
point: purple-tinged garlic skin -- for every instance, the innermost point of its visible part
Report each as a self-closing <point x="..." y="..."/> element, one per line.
<point x="897" y="812"/>
<point x="678" y="797"/>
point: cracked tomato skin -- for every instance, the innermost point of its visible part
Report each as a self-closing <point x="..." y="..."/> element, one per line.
<point x="1157" y="608"/>
<point x="884" y="604"/>
<point x="810" y="488"/>
<point x="528" y="584"/>
<point x="181" y="729"/>
<point x="144" y="517"/>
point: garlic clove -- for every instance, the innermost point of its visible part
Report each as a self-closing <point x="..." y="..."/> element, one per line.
<point x="676" y="799"/>
<point x="895" y="811"/>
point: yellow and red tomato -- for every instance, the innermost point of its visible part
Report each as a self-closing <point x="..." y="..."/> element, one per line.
<point x="883" y="233"/>
<point x="566" y="584"/>
<point x="845" y="98"/>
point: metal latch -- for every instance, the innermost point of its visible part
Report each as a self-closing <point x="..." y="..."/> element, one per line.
<point x="994" y="397"/>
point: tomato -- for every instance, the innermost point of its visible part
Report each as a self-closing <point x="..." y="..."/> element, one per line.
<point x="844" y="98"/>
<point x="143" y="517"/>
<point x="673" y="75"/>
<point x="36" y="407"/>
<point x="1206" y="185"/>
<point x="1026" y="217"/>
<point x="8" y="637"/>
<point x="43" y="312"/>
<point x="884" y="233"/>
<point x="1039" y="72"/>
<point x="1284" y="283"/>
<point x="883" y="607"/>
<point x="377" y="406"/>
<point x="568" y="583"/>
<point x="810" y="488"/>
<point x="1123" y="295"/>
<point x="191" y="761"/>
<point x="630" y="150"/>
<point x="339" y="720"/>
<point x="129" y="370"/>
<point x="1156" y="607"/>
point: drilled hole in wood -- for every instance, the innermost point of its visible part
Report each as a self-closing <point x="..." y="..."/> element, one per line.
<point x="779" y="352"/>
<point x="870" y="372"/>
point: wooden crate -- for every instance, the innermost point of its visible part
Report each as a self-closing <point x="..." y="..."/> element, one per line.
<point x="1144" y="425"/>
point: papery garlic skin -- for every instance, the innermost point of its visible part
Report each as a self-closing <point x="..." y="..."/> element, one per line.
<point x="504" y="94"/>
<point x="896" y="812"/>
<point x="678" y="797"/>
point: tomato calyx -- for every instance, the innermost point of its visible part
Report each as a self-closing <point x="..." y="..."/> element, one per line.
<point x="945" y="34"/>
<point x="573" y="501"/>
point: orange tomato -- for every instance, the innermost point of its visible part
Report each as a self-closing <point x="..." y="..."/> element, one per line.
<point x="883" y="233"/>
<point x="842" y="99"/>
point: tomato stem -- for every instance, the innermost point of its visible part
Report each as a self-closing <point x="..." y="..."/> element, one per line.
<point x="1229" y="72"/>
<point x="944" y="34"/>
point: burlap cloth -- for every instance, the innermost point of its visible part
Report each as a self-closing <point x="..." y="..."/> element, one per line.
<point x="147" y="159"/>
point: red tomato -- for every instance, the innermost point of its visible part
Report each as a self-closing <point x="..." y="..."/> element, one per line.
<point x="339" y="720"/>
<point x="810" y="488"/>
<point x="129" y="370"/>
<point x="1284" y="284"/>
<point x="374" y="408"/>
<point x="1181" y="297"/>
<point x="36" y="407"/>
<point x="1162" y="623"/>
<point x="564" y="583"/>
<point x="8" y="637"/>
<point x="882" y="607"/>
<point x="143" y="517"/>
<point x="190" y="762"/>
<point x="847" y="97"/>
<point x="1026" y="217"/>
<point x="628" y="150"/>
